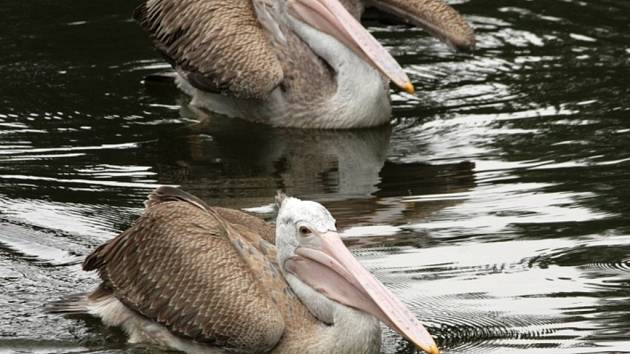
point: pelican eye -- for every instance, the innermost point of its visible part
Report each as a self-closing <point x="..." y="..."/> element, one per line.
<point x="305" y="231"/>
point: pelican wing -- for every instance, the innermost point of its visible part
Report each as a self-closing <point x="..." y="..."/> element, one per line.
<point x="184" y="266"/>
<point x="233" y="217"/>
<point x="217" y="44"/>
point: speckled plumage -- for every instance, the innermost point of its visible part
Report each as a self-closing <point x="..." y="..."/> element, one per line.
<point x="236" y="60"/>
<point x="218" y="44"/>
<point x="199" y="279"/>
<point x="200" y="275"/>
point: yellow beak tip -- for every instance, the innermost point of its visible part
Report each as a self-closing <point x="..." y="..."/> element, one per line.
<point x="410" y="89"/>
<point x="431" y="350"/>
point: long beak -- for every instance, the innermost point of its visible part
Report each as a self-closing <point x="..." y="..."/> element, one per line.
<point x="329" y="16"/>
<point x="334" y="272"/>
<point x="435" y="16"/>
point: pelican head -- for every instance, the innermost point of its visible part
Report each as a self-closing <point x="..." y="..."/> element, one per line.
<point x="312" y="254"/>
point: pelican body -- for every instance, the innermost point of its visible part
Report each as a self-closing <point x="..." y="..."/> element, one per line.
<point x="291" y="63"/>
<point x="197" y="279"/>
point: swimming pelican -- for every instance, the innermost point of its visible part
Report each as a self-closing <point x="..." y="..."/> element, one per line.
<point x="291" y="63"/>
<point x="197" y="279"/>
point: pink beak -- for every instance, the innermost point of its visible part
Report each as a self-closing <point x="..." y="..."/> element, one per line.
<point x="335" y="273"/>
<point x="329" y="16"/>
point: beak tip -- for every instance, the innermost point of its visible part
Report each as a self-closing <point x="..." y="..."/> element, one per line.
<point x="433" y="349"/>
<point x="408" y="87"/>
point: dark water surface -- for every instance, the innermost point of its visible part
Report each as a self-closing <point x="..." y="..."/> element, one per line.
<point x="496" y="205"/>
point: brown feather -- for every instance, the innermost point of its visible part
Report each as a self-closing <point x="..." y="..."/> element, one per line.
<point x="205" y="273"/>
<point x="178" y="266"/>
<point x="218" y="43"/>
<point x="248" y="222"/>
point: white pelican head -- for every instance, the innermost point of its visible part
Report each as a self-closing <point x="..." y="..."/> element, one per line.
<point x="310" y="249"/>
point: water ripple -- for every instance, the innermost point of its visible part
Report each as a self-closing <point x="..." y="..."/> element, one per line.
<point x="497" y="207"/>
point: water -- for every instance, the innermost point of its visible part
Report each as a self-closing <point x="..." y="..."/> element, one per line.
<point x="495" y="205"/>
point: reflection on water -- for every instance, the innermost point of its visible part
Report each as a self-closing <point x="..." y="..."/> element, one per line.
<point x="496" y="204"/>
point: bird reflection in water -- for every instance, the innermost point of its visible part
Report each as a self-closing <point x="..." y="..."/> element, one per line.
<point x="239" y="164"/>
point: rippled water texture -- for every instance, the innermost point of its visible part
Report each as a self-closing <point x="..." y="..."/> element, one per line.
<point x="496" y="205"/>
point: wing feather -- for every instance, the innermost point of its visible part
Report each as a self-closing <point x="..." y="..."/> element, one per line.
<point x="182" y="265"/>
<point x="218" y="44"/>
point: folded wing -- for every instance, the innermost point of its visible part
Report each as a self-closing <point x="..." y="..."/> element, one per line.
<point x="184" y="266"/>
<point x="217" y="44"/>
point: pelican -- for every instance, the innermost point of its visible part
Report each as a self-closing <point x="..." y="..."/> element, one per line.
<point x="200" y="279"/>
<point x="290" y="63"/>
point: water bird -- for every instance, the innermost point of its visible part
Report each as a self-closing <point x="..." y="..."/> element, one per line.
<point x="202" y="279"/>
<point x="291" y="63"/>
